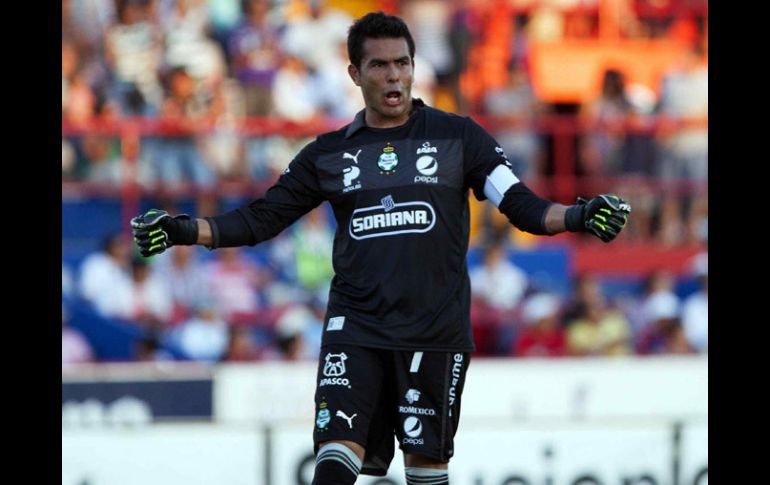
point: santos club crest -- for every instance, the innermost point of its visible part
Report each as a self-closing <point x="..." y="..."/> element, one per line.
<point x="388" y="160"/>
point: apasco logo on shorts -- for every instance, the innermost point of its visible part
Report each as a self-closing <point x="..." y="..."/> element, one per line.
<point x="334" y="368"/>
<point x="391" y="218"/>
<point x="388" y="160"/>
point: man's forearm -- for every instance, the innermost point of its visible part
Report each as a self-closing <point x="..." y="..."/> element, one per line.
<point x="554" y="219"/>
<point x="205" y="237"/>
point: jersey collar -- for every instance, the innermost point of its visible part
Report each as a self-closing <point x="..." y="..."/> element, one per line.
<point x="360" y="122"/>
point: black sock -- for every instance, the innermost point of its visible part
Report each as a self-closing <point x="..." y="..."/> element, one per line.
<point x="336" y="464"/>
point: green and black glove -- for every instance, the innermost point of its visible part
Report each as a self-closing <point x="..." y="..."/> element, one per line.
<point x="604" y="216"/>
<point x="155" y="231"/>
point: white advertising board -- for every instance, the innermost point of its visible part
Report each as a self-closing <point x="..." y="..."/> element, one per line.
<point x="645" y="453"/>
<point x="183" y="454"/>
<point x="264" y="392"/>
<point x="586" y="388"/>
<point x="651" y="452"/>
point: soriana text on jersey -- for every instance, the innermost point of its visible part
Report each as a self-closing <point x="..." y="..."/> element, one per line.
<point x="392" y="219"/>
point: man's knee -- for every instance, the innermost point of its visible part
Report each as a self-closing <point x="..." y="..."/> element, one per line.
<point x="422" y="461"/>
<point x="421" y="469"/>
<point x="359" y="450"/>
<point x="338" y="463"/>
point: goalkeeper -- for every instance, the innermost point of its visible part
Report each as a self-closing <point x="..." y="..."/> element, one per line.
<point x="397" y="334"/>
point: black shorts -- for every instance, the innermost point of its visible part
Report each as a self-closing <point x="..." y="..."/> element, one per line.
<point x="366" y="395"/>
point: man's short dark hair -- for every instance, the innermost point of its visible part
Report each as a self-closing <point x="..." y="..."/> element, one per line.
<point x="376" y="25"/>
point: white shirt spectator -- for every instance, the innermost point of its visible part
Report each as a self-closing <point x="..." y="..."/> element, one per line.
<point x="501" y="284"/>
<point x="295" y="92"/>
<point x="67" y="284"/>
<point x="204" y="337"/>
<point x="151" y="297"/>
<point x="234" y="283"/>
<point x="695" y="320"/>
<point x="75" y="349"/>
<point x="183" y="275"/>
<point x="315" y="40"/>
<point x="106" y="285"/>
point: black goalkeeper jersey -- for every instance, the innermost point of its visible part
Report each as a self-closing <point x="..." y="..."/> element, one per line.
<point x="400" y="198"/>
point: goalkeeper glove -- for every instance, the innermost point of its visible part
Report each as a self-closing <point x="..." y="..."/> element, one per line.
<point x="603" y="216"/>
<point x="155" y="231"/>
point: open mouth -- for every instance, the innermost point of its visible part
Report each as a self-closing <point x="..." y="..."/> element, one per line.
<point x="393" y="98"/>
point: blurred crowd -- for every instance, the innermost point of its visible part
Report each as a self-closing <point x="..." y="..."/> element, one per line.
<point x="199" y="68"/>
<point x="231" y="305"/>
<point x="189" y="84"/>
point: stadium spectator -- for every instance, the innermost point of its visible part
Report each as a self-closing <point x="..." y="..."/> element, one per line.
<point x="186" y="42"/>
<point x="516" y="99"/>
<point x="305" y="256"/>
<point x="695" y="317"/>
<point x="430" y="20"/>
<point x="498" y="287"/>
<point x="295" y="91"/>
<point x="78" y="98"/>
<point x="86" y="21"/>
<point x="497" y="281"/>
<point x="296" y="333"/>
<point x="603" y="146"/>
<point x="662" y="325"/>
<point x="638" y="164"/>
<point x="204" y="337"/>
<point x="75" y="348"/>
<point x="224" y="147"/>
<point x="180" y="271"/>
<point x="235" y="281"/>
<point x="315" y="33"/>
<point x="542" y="336"/>
<point x="151" y="303"/>
<point x="133" y="49"/>
<point x="148" y="348"/>
<point x="659" y="298"/>
<point x="337" y="96"/>
<point x="224" y="16"/>
<point x="425" y="80"/>
<point x="67" y="282"/>
<point x="101" y="157"/>
<point x="178" y="158"/>
<point x="105" y="278"/>
<point x="683" y="148"/>
<point x="241" y="345"/>
<point x="68" y="160"/>
<point x="582" y="288"/>
<point x="598" y="329"/>
<point x="255" y="49"/>
<point x="133" y="163"/>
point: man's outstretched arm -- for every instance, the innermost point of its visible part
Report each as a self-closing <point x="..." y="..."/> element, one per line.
<point x="295" y="193"/>
<point x="604" y="216"/>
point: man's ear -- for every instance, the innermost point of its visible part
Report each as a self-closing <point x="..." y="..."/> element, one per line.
<point x="354" y="74"/>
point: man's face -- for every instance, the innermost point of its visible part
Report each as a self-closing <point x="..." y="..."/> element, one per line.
<point x="385" y="77"/>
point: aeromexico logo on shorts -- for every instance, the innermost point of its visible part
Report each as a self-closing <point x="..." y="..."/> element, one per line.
<point x="391" y="218"/>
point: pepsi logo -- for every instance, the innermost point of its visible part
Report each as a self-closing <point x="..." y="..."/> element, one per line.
<point x="427" y="165"/>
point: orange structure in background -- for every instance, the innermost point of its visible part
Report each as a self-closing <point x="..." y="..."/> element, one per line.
<point x="571" y="71"/>
<point x="568" y="66"/>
